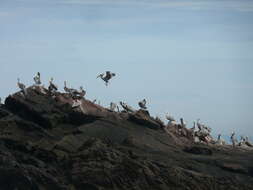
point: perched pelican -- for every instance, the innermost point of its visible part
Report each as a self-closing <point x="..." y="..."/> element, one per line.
<point x="170" y="118"/>
<point x="194" y="126"/>
<point x="183" y="123"/>
<point x="233" y="139"/>
<point x="0" y="101"/>
<point x="37" y="79"/>
<point x="126" y="107"/>
<point x="142" y="104"/>
<point x="82" y="92"/>
<point x="220" y="141"/>
<point x="73" y="92"/>
<point x="106" y="77"/>
<point x="52" y="87"/>
<point x="247" y="142"/>
<point x="113" y="106"/>
<point x="242" y="141"/>
<point x="22" y="87"/>
<point x="199" y="125"/>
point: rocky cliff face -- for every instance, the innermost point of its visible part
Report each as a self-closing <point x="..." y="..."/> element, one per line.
<point x="46" y="143"/>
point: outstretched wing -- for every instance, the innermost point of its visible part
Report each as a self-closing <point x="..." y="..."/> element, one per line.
<point x="100" y="75"/>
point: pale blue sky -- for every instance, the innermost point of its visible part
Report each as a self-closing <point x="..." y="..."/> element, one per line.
<point x="190" y="58"/>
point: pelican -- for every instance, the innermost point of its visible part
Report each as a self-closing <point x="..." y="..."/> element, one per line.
<point x="142" y="104"/>
<point x="233" y="139"/>
<point x="52" y="87"/>
<point x="220" y="141"/>
<point x="22" y="87"/>
<point x="199" y="125"/>
<point x="82" y="92"/>
<point x="183" y="123"/>
<point x="113" y="106"/>
<point x="242" y="141"/>
<point x="73" y="92"/>
<point x="194" y="126"/>
<point x="106" y="77"/>
<point x="37" y="79"/>
<point x="126" y="107"/>
<point x="247" y="142"/>
<point x="170" y="118"/>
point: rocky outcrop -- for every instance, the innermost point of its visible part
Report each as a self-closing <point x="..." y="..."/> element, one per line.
<point x="45" y="143"/>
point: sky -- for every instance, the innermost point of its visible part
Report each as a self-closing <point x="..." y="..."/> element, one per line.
<point x="190" y="58"/>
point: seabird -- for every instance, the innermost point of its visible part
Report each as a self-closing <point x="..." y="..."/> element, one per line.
<point x="73" y="92"/>
<point x="220" y="141"/>
<point x="113" y="106"/>
<point x="126" y="107"/>
<point x="52" y="87"/>
<point x="37" y="79"/>
<point x="232" y="138"/>
<point x="142" y="104"/>
<point x="170" y="118"/>
<point x="21" y="86"/>
<point x="82" y="92"/>
<point x="106" y="77"/>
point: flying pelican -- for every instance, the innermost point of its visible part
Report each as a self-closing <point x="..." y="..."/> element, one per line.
<point x="106" y="77"/>
<point x="52" y="87"/>
<point x="22" y="87"/>
<point x="37" y="79"/>
<point x="142" y="104"/>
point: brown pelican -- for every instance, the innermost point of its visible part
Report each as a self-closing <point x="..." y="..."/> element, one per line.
<point x="126" y="107"/>
<point x="233" y="139"/>
<point x="183" y="123"/>
<point x="199" y="125"/>
<point x="170" y="118"/>
<point x="142" y="104"/>
<point x="37" y="79"/>
<point x="73" y="92"/>
<point x="220" y="141"/>
<point x="242" y="141"/>
<point x="247" y="142"/>
<point x="106" y="77"/>
<point x="113" y="106"/>
<point x="52" y="87"/>
<point x="22" y="87"/>
<point x="82" y="92"/>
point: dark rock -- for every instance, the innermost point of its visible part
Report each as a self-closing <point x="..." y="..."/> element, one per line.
<point x="47" y="144"/>
<point x="142" y="117"/>
<point x="198" y="150"/>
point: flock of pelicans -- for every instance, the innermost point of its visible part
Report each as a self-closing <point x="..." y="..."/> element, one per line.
<point x="202" y="134"/>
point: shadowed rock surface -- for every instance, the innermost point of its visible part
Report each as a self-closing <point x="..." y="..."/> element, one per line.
<point x="47" y="144"/>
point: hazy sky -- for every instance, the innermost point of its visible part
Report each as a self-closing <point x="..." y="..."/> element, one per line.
<point x="191" y="58"/>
